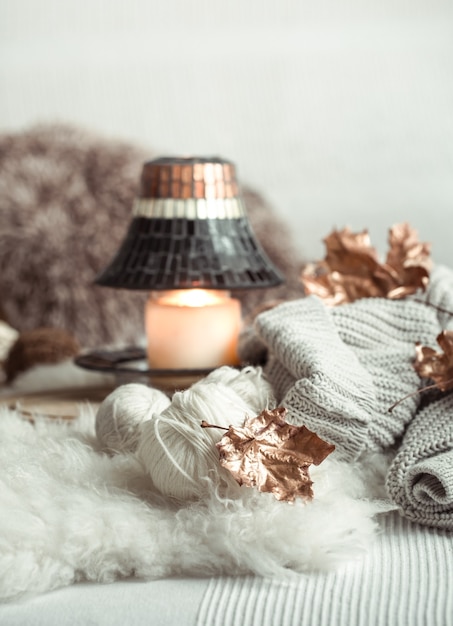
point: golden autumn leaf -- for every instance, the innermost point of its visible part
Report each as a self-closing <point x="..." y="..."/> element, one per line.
<point x="351" y="269"/>
<point x="437" y="365"/>
<point x="408" y="262"/>
<point x="272" y="455"/>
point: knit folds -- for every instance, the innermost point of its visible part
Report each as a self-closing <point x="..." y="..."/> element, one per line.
<point x="339" y="370"/>
<point x="420" y="478"/>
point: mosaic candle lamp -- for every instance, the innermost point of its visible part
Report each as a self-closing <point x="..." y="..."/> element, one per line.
<point x="190" y="244"/>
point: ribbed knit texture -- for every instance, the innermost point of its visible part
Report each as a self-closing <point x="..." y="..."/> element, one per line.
<point x="348" y="366"/>
<point x="383" y="333"/>
<point x="339" y="370"/>
<point x="420" y="479"/>
<point x="405" y="578"/>
<point x="331" y="393"/>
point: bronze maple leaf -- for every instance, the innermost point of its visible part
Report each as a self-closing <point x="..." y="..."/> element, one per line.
<point x="351" y="268"/>
<point x="437" y="365"/>
<point x="272" y="455"/>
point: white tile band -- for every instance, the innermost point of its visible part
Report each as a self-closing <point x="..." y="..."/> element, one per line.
<point x="191" y="209"/>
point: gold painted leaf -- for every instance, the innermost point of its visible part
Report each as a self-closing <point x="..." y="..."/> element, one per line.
<point x="351" y="269"/>
<point x="272" y="455"/>
<point x="437" y="365"/>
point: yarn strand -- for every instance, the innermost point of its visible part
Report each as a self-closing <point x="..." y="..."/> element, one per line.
<point x="170" y="456"/>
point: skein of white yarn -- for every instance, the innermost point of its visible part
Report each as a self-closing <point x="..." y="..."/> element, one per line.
<point x="249" y="383"/>
<point x="121" y="414"/>
<point x="179" y="455"/>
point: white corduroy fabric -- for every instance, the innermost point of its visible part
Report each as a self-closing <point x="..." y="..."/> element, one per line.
<point x="405" y="579"/>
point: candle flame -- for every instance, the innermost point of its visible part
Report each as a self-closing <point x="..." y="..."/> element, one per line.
<point x="192" y="297"/>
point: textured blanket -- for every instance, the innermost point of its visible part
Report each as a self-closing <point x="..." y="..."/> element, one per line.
<point x="340" y="370"/>
<point x="70" y="512"/>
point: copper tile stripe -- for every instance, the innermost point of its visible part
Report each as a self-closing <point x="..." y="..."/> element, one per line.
<point x="189" y="178"/>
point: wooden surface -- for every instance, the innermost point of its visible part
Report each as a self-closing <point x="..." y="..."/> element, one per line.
<point x="59" y="403"/>
<point x="66" y="403"/>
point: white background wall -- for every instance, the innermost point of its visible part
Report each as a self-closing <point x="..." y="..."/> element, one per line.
<point x="341" y="112"/>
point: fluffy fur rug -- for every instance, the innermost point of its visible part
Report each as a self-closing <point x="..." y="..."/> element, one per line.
<point x="65" y="204"/>
<point x="71" y="512"/>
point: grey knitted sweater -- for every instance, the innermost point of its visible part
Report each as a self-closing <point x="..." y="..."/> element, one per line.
<point x="338" y="370"/>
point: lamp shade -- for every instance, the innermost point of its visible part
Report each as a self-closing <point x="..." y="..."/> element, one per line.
<point x="189" y="229"/>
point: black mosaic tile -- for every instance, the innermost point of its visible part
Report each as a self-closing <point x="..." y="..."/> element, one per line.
<point x="180" y="253"/>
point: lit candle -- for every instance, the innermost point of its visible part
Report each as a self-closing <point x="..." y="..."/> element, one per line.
<point x="192" y="329"/>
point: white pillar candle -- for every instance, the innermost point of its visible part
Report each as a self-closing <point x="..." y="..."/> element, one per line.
<point x="192" y="329"/>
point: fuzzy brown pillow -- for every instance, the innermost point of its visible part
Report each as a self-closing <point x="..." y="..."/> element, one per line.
<point x="65" y="205"/>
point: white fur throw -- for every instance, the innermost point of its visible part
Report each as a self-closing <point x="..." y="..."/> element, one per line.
<point x="70" y="512"/>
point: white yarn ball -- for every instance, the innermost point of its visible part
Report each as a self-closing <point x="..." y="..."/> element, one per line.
<point x="180" y="456"/>
<point x="121" y="414"/>
<point x="249" y="383"/>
